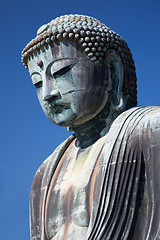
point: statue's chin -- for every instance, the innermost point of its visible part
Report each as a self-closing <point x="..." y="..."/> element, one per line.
<point x="64" y="118"/>
<point x="68" y="119"/>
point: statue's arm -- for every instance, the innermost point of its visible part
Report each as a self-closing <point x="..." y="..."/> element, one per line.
<point x="36" y="201"/>
<point x="150" y="145"/>
<point x="39" y="190"/>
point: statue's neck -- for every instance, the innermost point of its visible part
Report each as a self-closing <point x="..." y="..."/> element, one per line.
<point x="89" y="132"/>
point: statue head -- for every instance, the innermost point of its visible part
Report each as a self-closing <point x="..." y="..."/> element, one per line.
<point x="80" y="67"/>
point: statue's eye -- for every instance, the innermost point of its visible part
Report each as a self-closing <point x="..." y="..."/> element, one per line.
<point x="38" y="84"/>
<point x="61" y="71"/>
<point x="37" y="80"/>
<point x="60" y="66"/>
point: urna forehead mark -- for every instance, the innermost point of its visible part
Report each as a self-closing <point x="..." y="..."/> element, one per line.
<point x="40" y="63"/>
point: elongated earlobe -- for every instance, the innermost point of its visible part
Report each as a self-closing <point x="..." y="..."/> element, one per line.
<point x="115" y="76"/>
<point x="118" y="102"/>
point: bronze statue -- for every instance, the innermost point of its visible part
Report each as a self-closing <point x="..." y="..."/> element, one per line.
<point x="104" y="181"/>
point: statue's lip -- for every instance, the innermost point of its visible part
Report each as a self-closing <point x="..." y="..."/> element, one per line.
<point x="57" y="107"/>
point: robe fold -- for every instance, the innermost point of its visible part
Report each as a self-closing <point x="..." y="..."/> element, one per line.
<point x="126" y="197"/>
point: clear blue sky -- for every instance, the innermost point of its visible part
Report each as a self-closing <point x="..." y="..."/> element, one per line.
<point x="27" y="136"/>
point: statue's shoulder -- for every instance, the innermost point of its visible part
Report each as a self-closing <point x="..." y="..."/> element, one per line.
<point x="137" y="122"/>
<point x="50" y="163"/>
<point x="153" y="115"/>
<point x="149" y="131"/>
<point x="151" y="119"/>
<point x="148" y="116"/>
<point x="142" y="124"/>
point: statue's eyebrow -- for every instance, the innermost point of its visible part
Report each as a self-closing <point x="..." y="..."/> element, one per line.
<point x="34" y="72"/>
<point x="76" y="58"/>
<point x="60" y="59"/>
<point x="57" y="60"/>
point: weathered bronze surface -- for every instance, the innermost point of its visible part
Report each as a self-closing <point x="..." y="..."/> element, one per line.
<point x="104" y="181"/>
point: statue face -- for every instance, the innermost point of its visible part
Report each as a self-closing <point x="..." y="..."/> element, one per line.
<point x="70" y="87"/>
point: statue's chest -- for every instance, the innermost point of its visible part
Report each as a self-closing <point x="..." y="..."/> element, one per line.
<point x="70" y="193"/>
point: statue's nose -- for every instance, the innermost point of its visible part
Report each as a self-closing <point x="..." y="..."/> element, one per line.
<point x="49" y="91"/>
<point x="53" y="93"/>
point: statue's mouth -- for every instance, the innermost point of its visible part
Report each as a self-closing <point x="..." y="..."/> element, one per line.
<point x="56" y="107"/>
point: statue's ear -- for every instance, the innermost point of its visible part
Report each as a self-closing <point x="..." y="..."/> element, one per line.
<point x="115" y="75"/>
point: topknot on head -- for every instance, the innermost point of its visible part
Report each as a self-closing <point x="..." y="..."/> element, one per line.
<point x="42" y="29"/>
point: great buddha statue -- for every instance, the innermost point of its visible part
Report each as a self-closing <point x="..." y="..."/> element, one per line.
<point x="103" y="182"/>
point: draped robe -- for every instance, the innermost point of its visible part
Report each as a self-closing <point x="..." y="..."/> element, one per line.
<point x="127" y="180"/>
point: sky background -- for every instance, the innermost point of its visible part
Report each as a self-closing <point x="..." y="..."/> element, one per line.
<point x="27" y="136"/>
